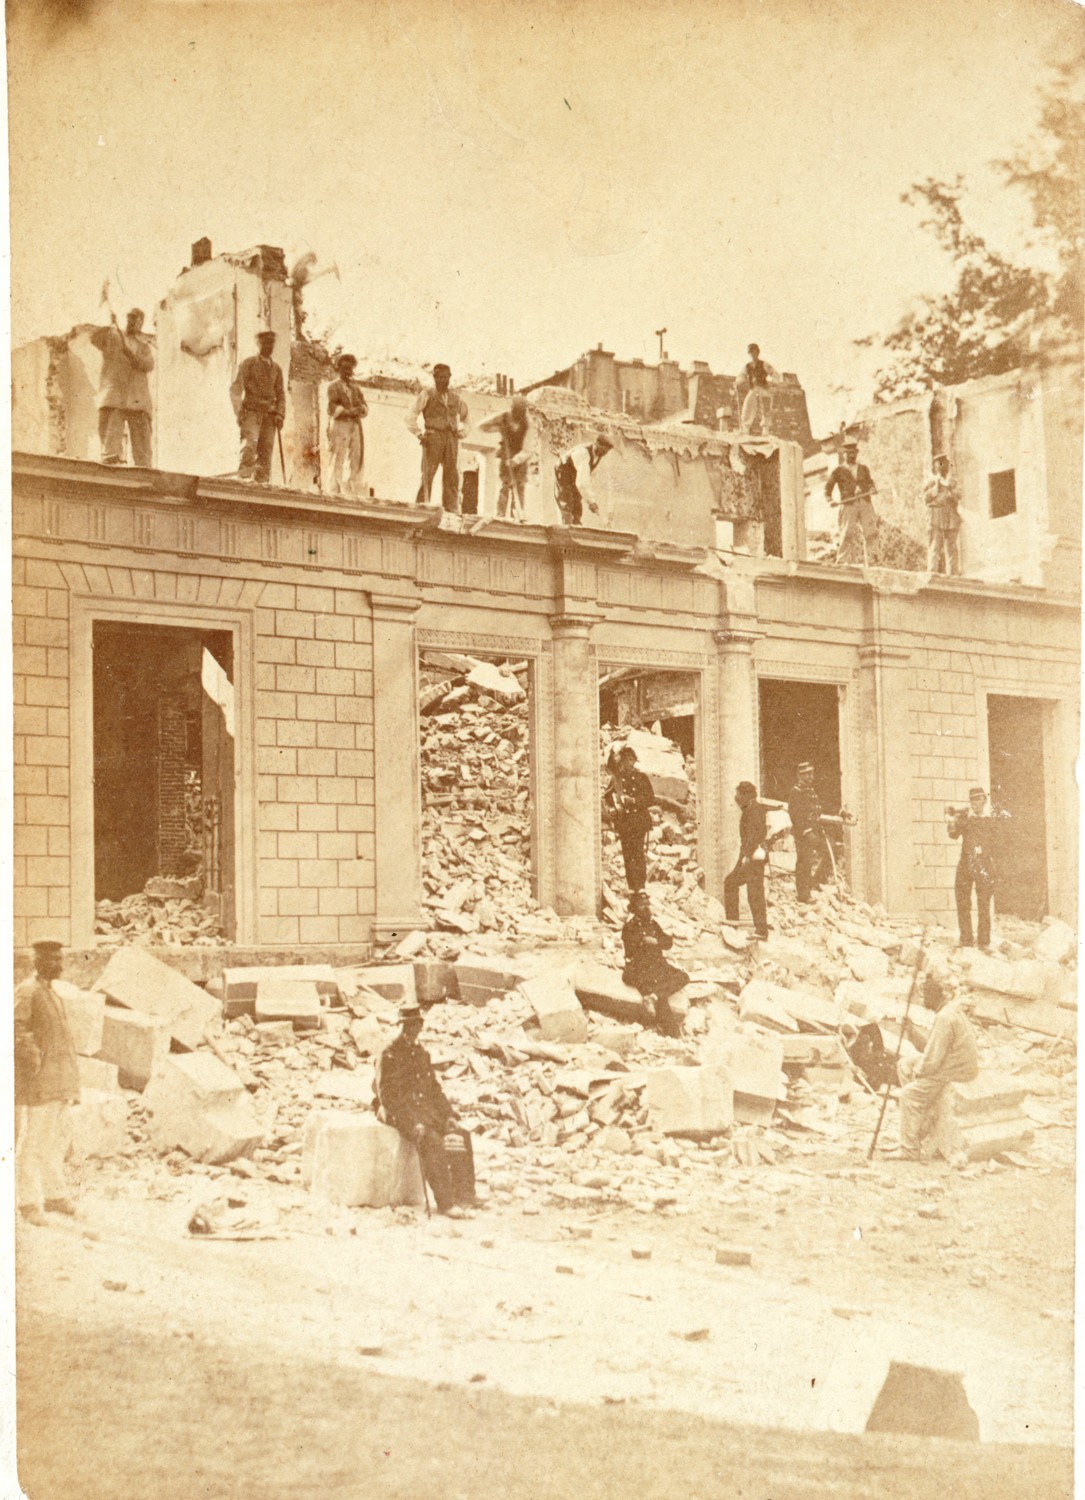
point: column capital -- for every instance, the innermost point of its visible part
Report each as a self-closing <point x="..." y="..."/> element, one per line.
<point x="396" y="609"/>
<point x="881" y="655"/>
<point x="743" y="640"/>
<point x="566" y="627"/>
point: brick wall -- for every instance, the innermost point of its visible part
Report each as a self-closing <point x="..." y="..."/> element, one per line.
<point x="170" y="758"/>
<point x="314" y="704"/>
<point x="41" y="807"/>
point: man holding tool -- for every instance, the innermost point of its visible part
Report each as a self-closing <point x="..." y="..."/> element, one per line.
<point x="858" y="522"/>
<point x="259" y="400"/>
<point x="124" y="393"/>
<point x="950" y="1056"/>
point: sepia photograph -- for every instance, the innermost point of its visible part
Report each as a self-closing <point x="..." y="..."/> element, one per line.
<point x="546" y="655"/>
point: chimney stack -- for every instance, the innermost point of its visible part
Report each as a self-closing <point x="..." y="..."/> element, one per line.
<point x="201" y="251"/>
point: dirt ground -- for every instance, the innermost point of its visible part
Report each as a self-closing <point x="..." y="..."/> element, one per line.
<point x="529" y="1351"/>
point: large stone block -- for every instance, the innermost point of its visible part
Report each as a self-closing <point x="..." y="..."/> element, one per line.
<point x="394" y="982"/>
<point x="761" y="1003"/>
<point x="929" y="1403"/>
<point x="559" y="1013"/>
<point x="1056" y="943"/>
<point x="294" y="1000"/>
<point x="984" y="1141"/>
<point x="198" y="1104"/>
<point x="137" y="1043"/>
<point x="602" y="990"/>
<point x="754" y="1062"/>
<point x="239" y="985"/>
<point x="1024" y="979"/>
<point x="694" y="1102"/>
<point x="988" y="1098"/>
<point x="136" y="979"/>
<point x="791" y="954"/>
<point x="354" y="1160"/>
<point x="434" y="980"/>
<point x="479" y="979"/>
<point x="96" y="1074"/>
<point x="487" y="677"/>
<point x="661" y="761"/>
<point x="99" y="1124"/>
<point x="85" y="1011"/>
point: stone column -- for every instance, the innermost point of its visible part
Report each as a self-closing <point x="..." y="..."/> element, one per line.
<point x="398" y="810"/>
<point x="738" y="752"/>
<point x="885" y="871"/>
<point x="577" y="833"/>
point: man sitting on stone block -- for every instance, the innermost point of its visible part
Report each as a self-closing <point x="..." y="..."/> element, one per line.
<point x="646" y="969"/>
<point x="409" y="1098"/>
<point x="950" y="1056"/>
<point x="46" y="1083"/>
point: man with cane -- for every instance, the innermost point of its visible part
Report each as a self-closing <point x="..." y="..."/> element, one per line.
<point x="409" y="1098"/>
<point x="259" y="400"/>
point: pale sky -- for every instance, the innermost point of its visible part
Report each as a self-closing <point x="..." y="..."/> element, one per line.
<point x="504" y="185"/>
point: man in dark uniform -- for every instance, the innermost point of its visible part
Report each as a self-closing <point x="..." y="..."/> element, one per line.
<point x="444" y="415"/>
<point x="976" y="866"/>
<point x="260" y="404"/>
<point x="750" y="867"/>
<point x="858" y="523"/>
<point x="627" y="801"/>
<point x="646" y="969"/>
<point x="46" y="1083"/>
<point x="804" y="809"/>
<point x="408" y="1097"/>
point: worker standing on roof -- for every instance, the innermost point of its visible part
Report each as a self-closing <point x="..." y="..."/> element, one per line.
<point x="573" y="479"/>
<point x="513" y="428"/>
<point x="943" y="499"/>
<point x="346" y="440"/>
<point x="443" y="413"/>
<point x="757" y="377"/>
<point x="124" y="393"/>
<point x="858" y="522"/>
<point x="259" y="400"/>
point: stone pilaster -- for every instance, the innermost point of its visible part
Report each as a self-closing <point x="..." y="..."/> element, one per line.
<point x="577" y="831"/>
<point x="884" y="872"/>
<point x="398" y="810"/>
<point x="737" y="736"/>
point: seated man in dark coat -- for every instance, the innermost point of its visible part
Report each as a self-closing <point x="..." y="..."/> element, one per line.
<point x="409" y="1098"/>
<point x="646" y="969"/>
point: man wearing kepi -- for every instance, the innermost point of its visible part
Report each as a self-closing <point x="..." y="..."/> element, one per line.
<point x="943" y="519"/>
<point x="646" y="969"/>
<point x="858" y="523"/>
<point x="804" y="810"/>
<point x="124" y="395"/>
<point x="408" y="1097"/>
<point x="444" y="420"/>
<point x="46" y="1083"/>
<point x="346" y="441"/>
<point x="627" y="802"/>
<point x="975" y="867"/>
<point x="260" y="404"/>
<point x="749" y="869"/>
<point x="950" y="1056"/>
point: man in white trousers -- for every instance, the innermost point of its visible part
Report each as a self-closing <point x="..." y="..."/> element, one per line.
<point x="46" y="1085"/>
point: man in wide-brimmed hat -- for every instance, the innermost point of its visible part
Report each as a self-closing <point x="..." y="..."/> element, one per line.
<point x="46" y="1084"/>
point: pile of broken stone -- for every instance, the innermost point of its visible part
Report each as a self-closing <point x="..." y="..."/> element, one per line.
<point x="268" y="1073"/>
<point x="167" y="911"/>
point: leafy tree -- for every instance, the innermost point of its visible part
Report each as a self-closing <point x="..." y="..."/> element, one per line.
<point x="969" y="331"/>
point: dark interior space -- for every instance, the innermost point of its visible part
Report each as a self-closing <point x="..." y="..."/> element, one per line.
<point x="1015" y="732"/>
<point x="163" y="761"/>
<point x="800" y="721"/>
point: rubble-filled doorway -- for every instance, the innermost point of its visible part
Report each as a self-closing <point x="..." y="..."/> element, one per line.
<point x="1015" y="739"/>
<point x="656" y="713"/>
<point x="479" y="842"/>
<point x="800" y="721"/>
<point x="163" y="803"/>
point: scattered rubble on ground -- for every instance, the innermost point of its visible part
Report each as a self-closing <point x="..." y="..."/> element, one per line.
<point x="166" y="911"/>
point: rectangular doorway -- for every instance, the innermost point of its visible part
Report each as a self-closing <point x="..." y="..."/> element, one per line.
<point x="800" y="721"/>
<point x="1015" y="738"/>
<point x="164" y="765"/>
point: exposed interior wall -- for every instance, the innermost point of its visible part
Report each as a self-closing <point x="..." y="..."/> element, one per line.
<point x="800" y="721"/>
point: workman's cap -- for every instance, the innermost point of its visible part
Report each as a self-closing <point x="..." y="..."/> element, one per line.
<point x="627" y="750"/>
<point x="265" y="333"/>
<point x="751" y="348"/>
<point x="851" y="447"/>
<point x="345" y="359"/>
<point x="410" y="1011"/>
<point x="137" y="312"/>
<point x="806" y="768"/>
<point x="445" y="368"/>
<point x="604" y="443"/>
<point x="746" y="786"/>
<point x="976" y="791"/>
<point x="48" y="948"/>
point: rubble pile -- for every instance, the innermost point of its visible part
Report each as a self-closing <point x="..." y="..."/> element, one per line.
<point x="165" y="911"/>
<point x="475" y="790"/>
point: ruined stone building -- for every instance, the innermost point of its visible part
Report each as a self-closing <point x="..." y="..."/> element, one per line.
<point x="220" y="680"/>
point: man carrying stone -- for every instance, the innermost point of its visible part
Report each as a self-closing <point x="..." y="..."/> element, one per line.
<point x="804" y="810"/>
<point x="124" y="394"/>
<point x="573" y="479"/>
<point x="259" y="400"/>
<point x="645" y="942"/>
<point x="444" y="417"/>
<point x="409" y="1098"/>
<point x="749" y="869"/>
<point x="975" y="867"/>
<point x="627" y="802"/>
<point x="950" y="1056"/>
<point x="46" y="1083"/>
<point x="943" y="519"/>
<point x="346" y="440"/>
<point x="858" y="523"/>
<point x="513" y="428"/>
<point x="757" y="406"/>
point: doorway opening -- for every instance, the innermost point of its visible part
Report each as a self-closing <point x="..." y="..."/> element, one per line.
<point x="164" y="756"/>
<point x="1015" y="737"/>
<point x="478" y="836"/>
<point x="800" y="721"/>
<point x="656" y="713"/>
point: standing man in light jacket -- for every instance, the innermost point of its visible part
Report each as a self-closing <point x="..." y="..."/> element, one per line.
<point x="124" y="392"/>
<point x="46" y="1083"/>
<point x="444" y="421"/>
<point x="259" y="401"/>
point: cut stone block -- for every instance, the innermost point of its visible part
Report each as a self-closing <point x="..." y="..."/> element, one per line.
<point x="355" y="1086"/>
<point x="760" y="1002"/>
<point x="618" y="1039"/>
<point x="199" y="1105"/>
<point x="990" y="1097"/>
<point x="602" y="990"/>
<point x="354" y="1160"/>
<point x="930" y="1403"/>
<point x="873" y="999"/>
<point x="982" y="1142"/>
<point x="487" y="677"/>
<point x="434" y="980"/>
<point x="1023" y="980"/>
<point x="754" y="1062"/>
<point x="369" y="1036"/>
<point x="96" y="1074"/>
<point x="791" y="955"/>
<point x="867" y="963"/>
<point x="294" y="1000"/>
<point x="661" y="761"/>
<point x="395" y="982"/>
<point x="99" y="1124"/>
<point x="135" y="978"/>
<point x="1029" y="1015"/>
<point x="613" y="1138"/>
<point x="137" y="1043"/>
<point x="694" y="1102"/>
<point x="85" y="1012"/>
<point x="559" y="1013"/>
<point x="1056" y="943"/>
<point x="239" y="985"/>
<point x="479" y="979"/>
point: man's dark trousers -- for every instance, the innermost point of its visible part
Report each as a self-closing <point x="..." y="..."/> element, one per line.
<point x="984" y="891"/>
<point x="635" y="855"/>
<point x="750" y="874"/>
<point x="806" y="862"/>
<point x="440" y="450"/>
<point x="433" y="1157"/>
